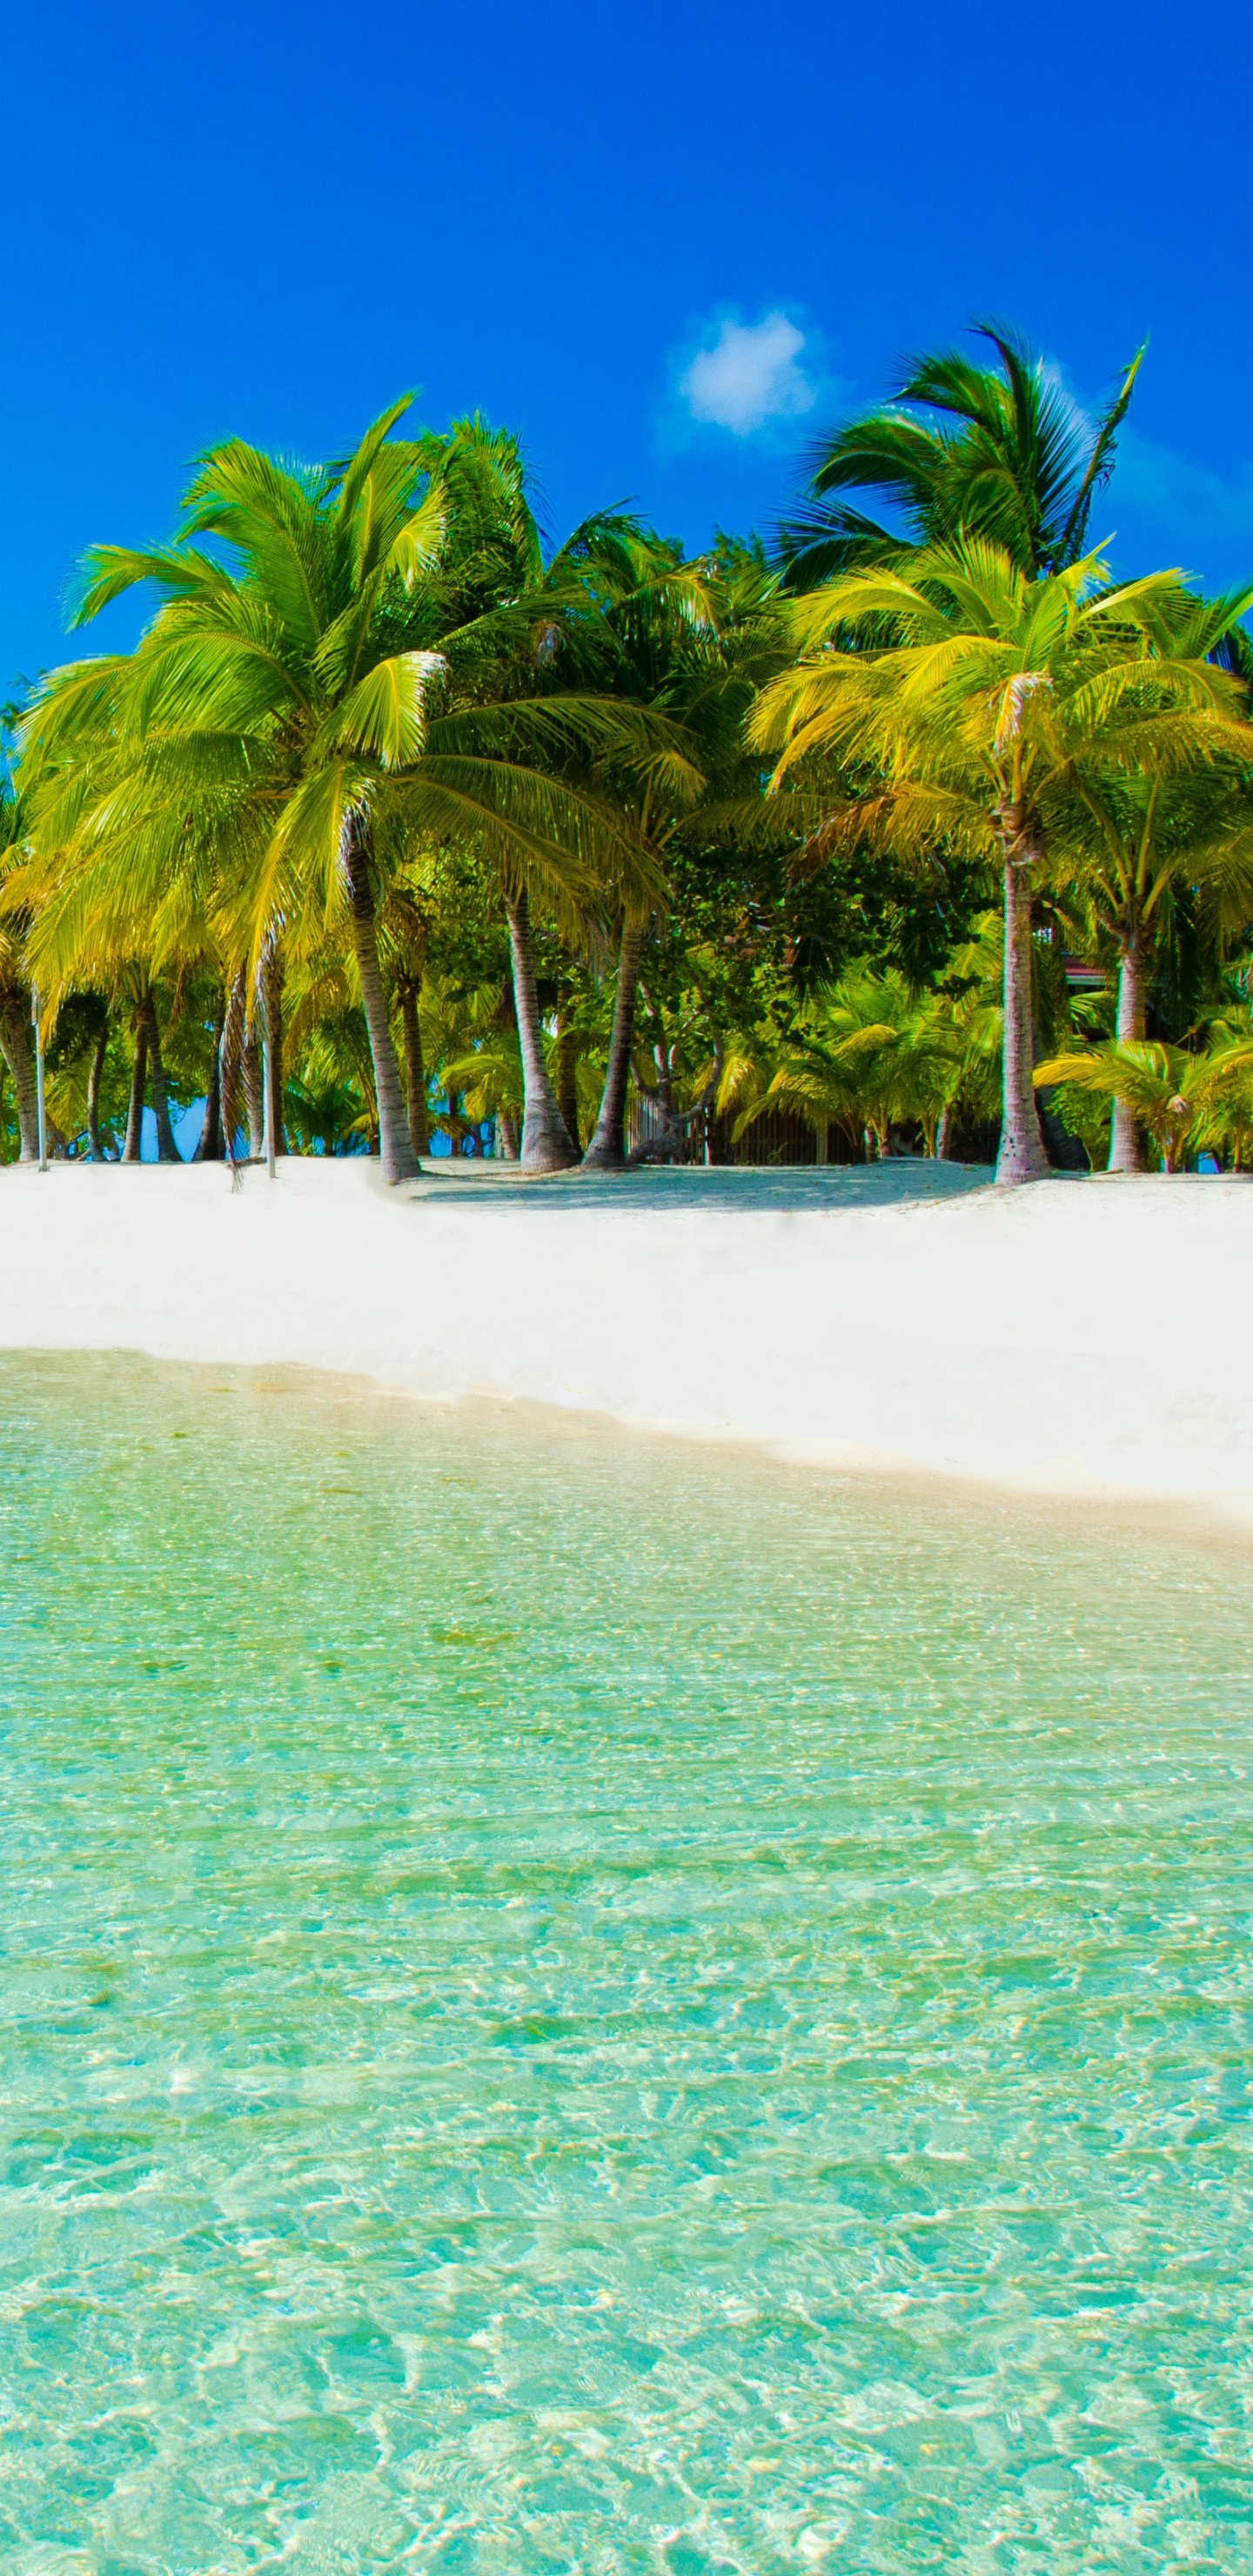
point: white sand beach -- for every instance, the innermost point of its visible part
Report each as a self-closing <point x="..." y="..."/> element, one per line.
<point x="1075" y="1338"/>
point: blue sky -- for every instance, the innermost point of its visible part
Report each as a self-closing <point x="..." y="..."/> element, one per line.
<point x="664" y="242"/>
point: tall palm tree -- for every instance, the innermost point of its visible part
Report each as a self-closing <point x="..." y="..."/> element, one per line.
<point x="311" y="701"/>
<point x="17" y="1044"/>
<point x="579" y="626"/>
<point x="974" y="719"/>
<point x="406" y="931"/>
<point x="1134" y="835"/>
<point x="693" y="641"/>
<point x="551" y="630"/>
<point x="112" y="932"/>
<point x="998" y="450"/>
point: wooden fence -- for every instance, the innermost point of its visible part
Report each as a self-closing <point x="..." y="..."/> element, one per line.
<point x="775" y="1138"/>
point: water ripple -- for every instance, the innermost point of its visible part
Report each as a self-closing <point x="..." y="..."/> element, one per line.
<point x="571" y="2004"/>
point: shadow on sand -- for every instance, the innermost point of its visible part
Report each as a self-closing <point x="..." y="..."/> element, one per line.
<point x="740" y="1187"/>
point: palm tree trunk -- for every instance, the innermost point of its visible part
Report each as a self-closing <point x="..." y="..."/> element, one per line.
<point x="607" y="1150"/>
<point x="18" y="1049"/>
<point x="272" y="980"/>
<point x="396" y="1150"/>
<point x="167" y="1150"/>
<point x="139" y="1084"/>
<point x="546" y="1147"/>
<point x="505" y="1018"/>
<point x="1128" y="1150"/>
<point x="252" y="1072"/>
<point x="209" y="1148"/>
<point x="565" y="1065"/>
<point x="94" y="1080"/>
<point x="230" y="1059"/>
<point x="944" y="1133"/>
<point x="415" y="1067"/>
<point x="1022" y="1156"/>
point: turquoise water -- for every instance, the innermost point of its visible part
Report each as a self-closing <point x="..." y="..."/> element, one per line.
<point x="572" y="2004"/>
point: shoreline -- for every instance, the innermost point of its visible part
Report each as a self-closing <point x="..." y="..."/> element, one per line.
<point x="1080" y="1346"/>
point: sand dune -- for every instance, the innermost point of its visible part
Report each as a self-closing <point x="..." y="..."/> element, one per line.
<point x="1073" y="1337"/>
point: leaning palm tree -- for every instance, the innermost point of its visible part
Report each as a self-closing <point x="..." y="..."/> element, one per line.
<point x="968" y="696"/>
<point x="309" y="703"/>
<point x="997" y="450"/>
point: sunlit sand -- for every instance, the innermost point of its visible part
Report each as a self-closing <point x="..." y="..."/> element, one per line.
<point x="1076" y="1337"/>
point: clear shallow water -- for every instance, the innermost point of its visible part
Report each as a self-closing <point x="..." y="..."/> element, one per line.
<point x="571" y="2004"/>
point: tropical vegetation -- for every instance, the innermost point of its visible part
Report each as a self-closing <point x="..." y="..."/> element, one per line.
<point x="402" y="829"/>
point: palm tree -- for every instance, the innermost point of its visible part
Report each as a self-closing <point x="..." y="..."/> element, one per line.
<point x="798" y="1076"/>
<point x="1158" y="839"/>
<point x="323" y="1114"/>
<point x="998" y="451"/>
<point x="1175" y="1096"/>
<point x="538" y="633"/>
<point x="309" y="703"/>
<point x="976" y="715"/>
<point x="969" y="1009"/>
<point x="693" y="641"/>
<point x="406" y="931"/>
<point x="17" y="1045"/>
<point x="1134" y="835"/>
<point x="863" y="1055"/>
<point x="89" y="931"/>
<point x="660" y="629"/>
<point x="488" y="1078"/>
<point x="589" y="624"/>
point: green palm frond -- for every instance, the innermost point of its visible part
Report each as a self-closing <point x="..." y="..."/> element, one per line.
<point x="999" y="450"/>
<point x="385" y="715"/>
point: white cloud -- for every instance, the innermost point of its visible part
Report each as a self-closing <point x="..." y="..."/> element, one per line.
<point x="748" y="375"/>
